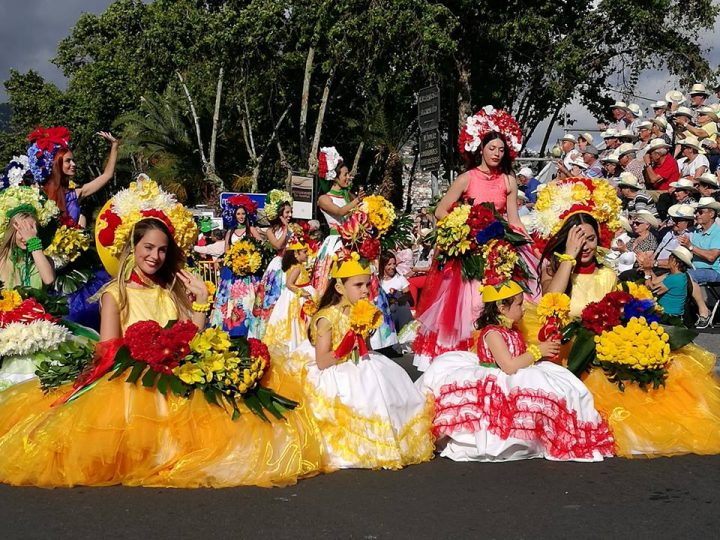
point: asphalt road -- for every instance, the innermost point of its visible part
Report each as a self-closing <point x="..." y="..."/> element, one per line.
<point x="618" y="498"/>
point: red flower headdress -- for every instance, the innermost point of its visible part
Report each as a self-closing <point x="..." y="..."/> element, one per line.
<point x="484" y="121"/>
<point x="328" y="161"/>
<point x="243" y="201"/>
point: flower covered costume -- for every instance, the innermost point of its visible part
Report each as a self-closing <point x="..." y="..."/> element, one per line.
<point x="484" y="414"/>
<point x="369" y="413"/>
<point x="121" y="433"/>
<point x="679" y="418"/>
<point x="451" y="304"/>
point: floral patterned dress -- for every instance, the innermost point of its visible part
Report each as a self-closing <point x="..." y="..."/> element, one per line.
<point x="234" y="300"/>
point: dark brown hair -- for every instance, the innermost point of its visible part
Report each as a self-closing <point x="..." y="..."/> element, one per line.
<point x="491" y="312"/>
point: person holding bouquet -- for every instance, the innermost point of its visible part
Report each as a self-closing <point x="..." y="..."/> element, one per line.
<point x="287" y="325"/>
<point x="369" y="413"/>
<point x="682" y="414"/>
<point x="489" y="142"/>
<point x="105" y="430"/>
<point x="507" y="402"/>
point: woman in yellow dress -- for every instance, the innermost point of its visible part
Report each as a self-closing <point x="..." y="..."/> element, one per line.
<point x="121" y="433"/>
<point x="681" y="417"/>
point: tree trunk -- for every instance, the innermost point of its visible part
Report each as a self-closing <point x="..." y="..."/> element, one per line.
<point x="356" y="161"/>
<point x="195" y="119"/>
<point x="391" y="186"/>
<point x="312" y="158"/>
<point x="416" y="153"/>
<point x="549" y="130"/>
<point x="216" y="118"/>
<point x="464" y="91"/>
<point x="304" y="100"/>
<point x="255" y="176"/>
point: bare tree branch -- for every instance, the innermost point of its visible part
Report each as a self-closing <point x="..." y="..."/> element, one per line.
<point x="216" y="117"/>
<point x="195" y="118"/>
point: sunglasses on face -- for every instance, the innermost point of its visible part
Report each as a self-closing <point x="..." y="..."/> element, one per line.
<point x="636" y="223"/>
<point x="700" y="210"/>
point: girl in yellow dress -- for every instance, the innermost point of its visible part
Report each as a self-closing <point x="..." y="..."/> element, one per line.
<point x="369" y="413"/>
<point x="121" y="433"/>
<point x="681" y="417"/>
<point x="287" y="327"/>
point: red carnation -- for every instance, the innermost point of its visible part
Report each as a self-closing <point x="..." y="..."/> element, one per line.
<point x="243" y="201"/>
<point x="161" y="348"/>
<point x="602" y="316"/>
<point x="322" y="165"/>
<point x="47" y="138"/>
<point x="107" y="235"/>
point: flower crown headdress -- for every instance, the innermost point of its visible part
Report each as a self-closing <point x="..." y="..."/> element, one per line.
<point x="14" y="172"/>
<point x="17" y="199"/>
<point x="274" y="200"/>
<point x="231" y="205"/>
<point x="141" y="200"/>
<point x="486" y="120"/>
<point x="44" y="144"/>
<point x="347" y="265"/>
<point x="328" y="161"/>
<point x="564" y="198"/>
<point x="296" y="244"/>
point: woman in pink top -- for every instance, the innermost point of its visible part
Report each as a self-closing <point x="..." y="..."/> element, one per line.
<point x="450" y="304"/>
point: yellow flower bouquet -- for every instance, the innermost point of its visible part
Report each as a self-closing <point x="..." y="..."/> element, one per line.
<point x="364" y="319"/>
<point x="243" y="258"/>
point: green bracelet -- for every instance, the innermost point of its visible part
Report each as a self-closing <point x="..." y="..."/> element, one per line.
<point x="34" y="244"/>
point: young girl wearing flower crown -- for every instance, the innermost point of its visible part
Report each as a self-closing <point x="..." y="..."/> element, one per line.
<point x="369" y="413"/>
<point x="287" y="325"/>
<point x="108" y="431"/>
<point x="503" y="403"/>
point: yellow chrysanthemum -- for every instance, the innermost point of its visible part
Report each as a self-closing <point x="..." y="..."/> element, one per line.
<point x="243" y="258"/>
<point x="638" y="345"/>
<point x="9" y="300"/>
<point x="380" y="211"/>
<point x="365" y="317"/>
<point x="554" y="305"/>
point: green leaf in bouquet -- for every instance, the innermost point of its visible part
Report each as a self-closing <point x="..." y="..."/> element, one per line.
<point x="80" y="330"/>
<point x="178" y="387"/>
<point x="253" y="403"/>
<point x="162" y="384"/>
<point x="582" y="352"/>
<point x="680" y="336"/>
<point x="137" y="370"/>
<point x="240" y="345"/>
<point x="211" y="395"/>
<point x="284" y="402"/>
<point x="170" y="324"/>
<point x="148" y="380"/>
<point x="122" y="362"/>
<point x="266" y="399"/>
<point x="569" y="331"/>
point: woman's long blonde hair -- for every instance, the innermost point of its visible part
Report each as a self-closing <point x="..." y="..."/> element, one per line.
<point x="166" y="274"/>
<point x="8" y="242"/>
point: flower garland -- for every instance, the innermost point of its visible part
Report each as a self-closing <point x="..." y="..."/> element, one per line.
<point x="144" y="199"/>
<point x="14" y="173"/>
<point x="487" y="120"/>
<point x="561" y="199"/>
<point x="28" y="199"/>
<point x="180" y="359"/>
<point x="274" y="200"/>
<point x="243" y="258"/>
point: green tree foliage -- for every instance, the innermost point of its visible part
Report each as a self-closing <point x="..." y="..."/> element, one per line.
<point x="360" y="62"/>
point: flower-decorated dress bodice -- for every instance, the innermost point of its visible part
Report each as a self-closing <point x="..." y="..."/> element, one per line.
<point x="587" y="288"/>
<point x="144" y="304"/>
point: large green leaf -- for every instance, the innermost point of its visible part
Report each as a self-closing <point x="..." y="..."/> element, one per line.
<point x="582" y="352"/>
<point x="679" y="336"/>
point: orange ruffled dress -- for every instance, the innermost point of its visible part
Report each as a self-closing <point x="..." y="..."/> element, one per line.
<point x="118" y="433"/>
<point x="681" y="418"/>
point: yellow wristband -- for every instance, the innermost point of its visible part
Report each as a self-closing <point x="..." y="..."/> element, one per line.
<point x="564" y="257"/>
<point x="201" y="308"/>
<point x="535" y="351"/>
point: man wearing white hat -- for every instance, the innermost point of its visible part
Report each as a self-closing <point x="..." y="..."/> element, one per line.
<point x="660" y="167"/>
<point x="569" y="154"/>
<point x="610" y="138"/>
<point x="590" y="157"/>
<point x="693" y="163"/>
<point x="660" y="108"/>
<point x="698" y="95"/>
<point x="662" y="129"/>
<point x="632" y="116"/>
<point x="708" y="186"/>
<point x="644" y="131"/>
<point x="704" y="244"/>
<point x="630" y="163"/>
<point x="633" y="196"/>
<point x="618" y="110"/>
<point x="706" y="131"/>
<point x="528" y="182"/>
<point x="684" y="191"/>
<point x="680" y="120"/>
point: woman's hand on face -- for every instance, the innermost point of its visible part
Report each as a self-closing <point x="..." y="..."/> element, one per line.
<point x="108" y="137"/>
<point x="575" y="241"/>
<point x="195" y="286"/>
<point x="26" y="228"/>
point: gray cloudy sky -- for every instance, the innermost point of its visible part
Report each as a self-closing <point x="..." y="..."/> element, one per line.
<point x="33" y="28"/>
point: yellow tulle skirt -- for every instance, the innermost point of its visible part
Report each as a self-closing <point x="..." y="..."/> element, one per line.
<point x="118" y="433"/>
<point x="683" y="417"/>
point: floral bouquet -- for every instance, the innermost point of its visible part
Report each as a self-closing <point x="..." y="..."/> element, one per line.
<point x="244" y="258"/>
<point x="180" y="360"/>
<point x="364" y="319"/>
<point x="483" y="242"/>
<point x="360" y="235"/>
<point x="627" y="334"/>
<point x="31" y="335"/>
<point x="380" y="212"/>
<point x="554" y="314"/>
<point x="68" y="243"/>
<point x="373" y="226"/>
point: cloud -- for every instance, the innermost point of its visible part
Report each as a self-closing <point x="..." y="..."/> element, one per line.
<point x="32" y="30"/>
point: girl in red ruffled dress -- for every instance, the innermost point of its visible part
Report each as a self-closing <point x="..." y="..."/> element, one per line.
<point x="450" y="304"/>
<point x="503" y="404"/>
